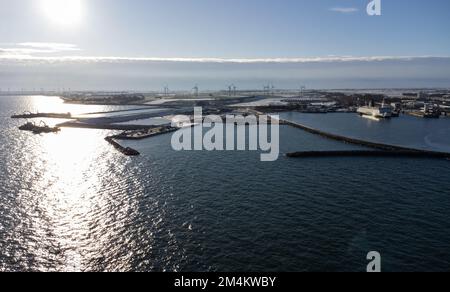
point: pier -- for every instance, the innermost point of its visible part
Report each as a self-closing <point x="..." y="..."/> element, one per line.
<point x="419" y="114"/>
<point x="145" y="133"/>
<point x="99" y="126"/>
<point x="28" y="115"/>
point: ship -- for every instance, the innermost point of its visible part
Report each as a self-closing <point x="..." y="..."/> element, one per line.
<point x="42" y="128"/>
<point x="384" y="111"/>
<point x="430" y="111"/>
<point x="396" y="109"/>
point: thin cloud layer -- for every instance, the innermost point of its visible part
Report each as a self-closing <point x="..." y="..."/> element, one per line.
<point x="26" y="55"/>
<point x="344" y="10"/>
<point x="58" y="47"/>
<point x="45" y="52"/>
<point x="143" y="74"/>
<point x="30" y="49"/>
<point x="55" y="65"/>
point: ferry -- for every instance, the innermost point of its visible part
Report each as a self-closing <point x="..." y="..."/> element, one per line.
<point x="384" y="111"/>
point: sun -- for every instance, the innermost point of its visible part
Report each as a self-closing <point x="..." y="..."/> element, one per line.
<point x="63" y="12"/>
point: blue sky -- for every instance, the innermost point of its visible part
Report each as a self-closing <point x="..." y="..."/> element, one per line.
<point x="136" y="31"/>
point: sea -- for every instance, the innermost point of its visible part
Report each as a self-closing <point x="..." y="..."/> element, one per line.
<point x="71" y="202"/>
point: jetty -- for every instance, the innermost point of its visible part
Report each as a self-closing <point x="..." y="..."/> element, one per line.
<point x="28" y="115"/>
<point x="137" y="135"/>
<point x="117" y="127"/>
<point x="125" y="150"/>
<point x="421" y="114"/>
<point x="145" y="133"/>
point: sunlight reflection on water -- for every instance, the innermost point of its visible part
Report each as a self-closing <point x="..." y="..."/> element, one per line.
<point x="72" y="192"/>
<point x="67" y="196"/>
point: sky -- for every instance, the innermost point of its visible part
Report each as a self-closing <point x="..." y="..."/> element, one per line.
<point x="146" y="44"/>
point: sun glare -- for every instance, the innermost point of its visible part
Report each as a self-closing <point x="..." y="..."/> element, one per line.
<point x="63" y="12"/>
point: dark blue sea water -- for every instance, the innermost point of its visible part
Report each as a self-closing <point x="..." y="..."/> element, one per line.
<point x="71" y="202"/>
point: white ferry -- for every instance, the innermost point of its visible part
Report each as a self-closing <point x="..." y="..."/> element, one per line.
<point x="384" y="111"/>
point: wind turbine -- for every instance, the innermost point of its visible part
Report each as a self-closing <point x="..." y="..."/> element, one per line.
<point x="232" y="90"/>
<point x="166" y="90"/>
<point x="196" y="90"/>
<point x="266" y="89"/>
<point x="302" y="90"/>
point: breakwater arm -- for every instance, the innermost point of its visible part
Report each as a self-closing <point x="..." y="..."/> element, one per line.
<point x="379" y="146"/>
<point x="42" y="115"/>
<point x="145" y="133"/>
<point x="125" y="150"/>
<point x="382" y="150"/>
<point x="82" y="125"/>
<point x="363" y="153"/>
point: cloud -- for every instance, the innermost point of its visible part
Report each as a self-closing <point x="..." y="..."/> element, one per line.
<point x="141" y="74"/>
<point x="58" y="47"/>
<point x="25" y="55"/>
<point x="345" y="10"/>
<point x="41" y="52"/>
<point x="27" y="50"/>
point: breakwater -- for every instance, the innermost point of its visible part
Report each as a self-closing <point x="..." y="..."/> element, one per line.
<point x="99" y="126"/>
<point x="373" y="145"/>
<point x="136" y="135"/>
<point x="125" y="150"/>
<point x="363" y="153"/>
<point x="382" y="150"/>
<point x="28" y="115"/>
<point x="145" y="133"/>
